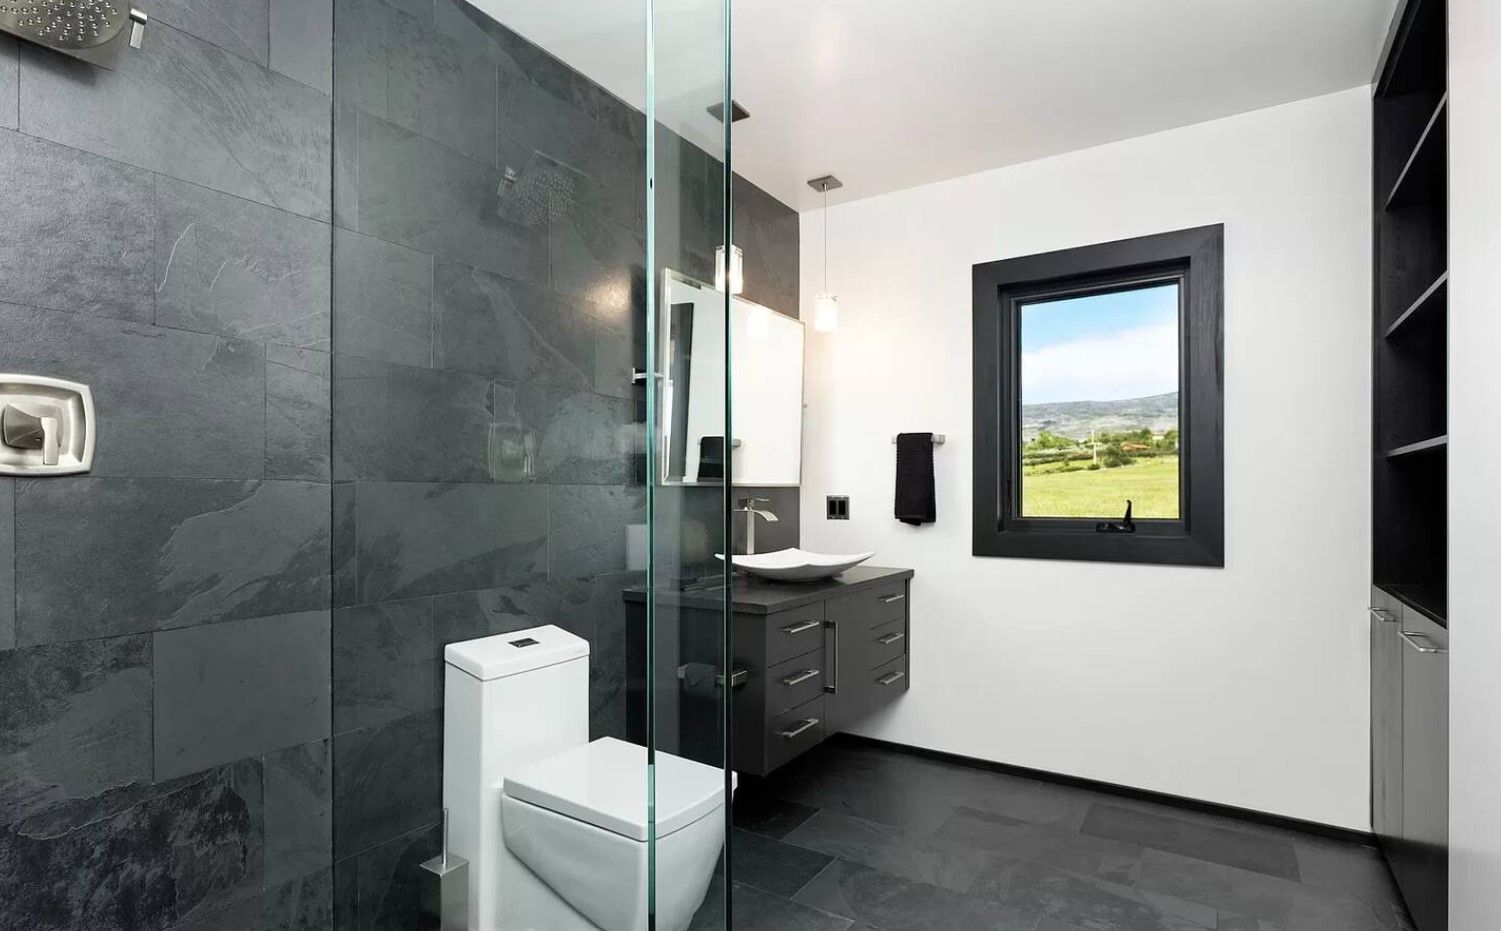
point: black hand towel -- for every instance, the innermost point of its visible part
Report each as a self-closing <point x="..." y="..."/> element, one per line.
<point x="915" y="496"/>
<point x="711" y="458"/>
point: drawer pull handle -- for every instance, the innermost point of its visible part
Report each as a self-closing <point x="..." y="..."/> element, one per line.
<point x="888" y="599"/>
<point x="891" y="677"/>
<point x="890" y="639"/>
<point x="800" y="677"/>
<point x="1408" y="635"/>
<point x="1383" y="615"/>
<point x="802" y="628"/>
<point x="800" y="729"/>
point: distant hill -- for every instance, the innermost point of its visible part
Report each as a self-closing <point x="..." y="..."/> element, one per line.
<point x="1077" y="418"/>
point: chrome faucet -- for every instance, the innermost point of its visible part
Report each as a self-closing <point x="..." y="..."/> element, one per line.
<point x="749" y="509"/>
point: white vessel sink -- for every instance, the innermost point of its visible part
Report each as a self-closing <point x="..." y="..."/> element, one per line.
<point x="796" y="565"/>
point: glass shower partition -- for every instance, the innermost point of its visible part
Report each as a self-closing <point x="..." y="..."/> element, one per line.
<point x="512" y="181"/>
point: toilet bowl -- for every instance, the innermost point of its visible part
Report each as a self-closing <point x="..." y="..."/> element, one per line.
<point x="555" y="827"/>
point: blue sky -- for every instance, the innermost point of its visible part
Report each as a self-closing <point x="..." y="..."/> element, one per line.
<point x="1101" y="348"/>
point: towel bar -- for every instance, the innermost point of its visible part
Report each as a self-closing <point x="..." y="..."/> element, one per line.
<point x="938" y="439"/>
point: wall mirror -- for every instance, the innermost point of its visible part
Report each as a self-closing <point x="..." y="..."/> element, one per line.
<point x="766" y="378"/>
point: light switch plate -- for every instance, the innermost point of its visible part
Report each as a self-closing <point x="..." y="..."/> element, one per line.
<point x="837" y="507"/>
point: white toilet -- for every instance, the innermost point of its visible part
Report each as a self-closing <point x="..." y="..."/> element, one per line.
<point x="554" y="826"/>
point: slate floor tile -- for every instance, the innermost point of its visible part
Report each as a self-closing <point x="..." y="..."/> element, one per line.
<point x="773" y="866"/>
<point x="1097" y="857"/>
<point x="764" y="813"/>
<point x="893" y="902"/>
<point x="890" y="849"/>
<point x="755" y="910"/>
<point x="1217" y="845"/>
<point x="1041" y="890"/>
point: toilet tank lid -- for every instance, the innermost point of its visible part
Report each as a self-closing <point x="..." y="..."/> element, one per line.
<point x="510" y="654"/>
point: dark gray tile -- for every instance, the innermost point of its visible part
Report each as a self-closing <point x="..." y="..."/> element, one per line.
<point x="1096" y="857"/>
<point x="188" y="109"/>
<point x="239" y="689"/>
<point x="386" y="885"/>
<point x="344" y="569"/>
<point x="762" y="812"/>
<point x="299" y="811"/>
<point x="137" y="857"/>
<point x="382" y="300"/>
<point x="417" y="192"/>
<point x="302" y="37"/>
<point x="595" y="259"/>
<point x="298" y="386"/>
<point x="768" y="231"/>
<point x="418" y="539"/>
<point x="891" y="850"/>
<point x="10" y="84"/>
<point x="1347" y="868"/>
<point x="75" y="720"/>
<point x="587" y="528"/>
<point x="1040" y="890"/>
<point x="79" y="230"/>
<point x="201" y="397"/>
<point x="495" y="326"/>
<point x="238" y="26"/>
<point x="441" y="80"/>
<point x="581" y="437"/>
<point x="1217" y="845"/>
<point x="755" y="910"/>
<point x="98" y="556"/>
<point x="7" y="564"/>
<point x="1236" y="923"/>
<point x="470" y="615"/>
<point x="608" y="695"/>
<point x="399" y="423"/>
<point x="886" y="901"/>
<point x="302" y="904"/>
<point x="919" y="813"/>
<point x="384" y="657"/>
<point x="773" y="866"/>
<point x="346" y="155"/>
<point x="387" y="781"/>
<point x="231" y="267"/>
<point x="1238" y="892"/>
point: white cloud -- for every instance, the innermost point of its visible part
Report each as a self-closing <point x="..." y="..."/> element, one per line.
<point x="1129" y="364"/>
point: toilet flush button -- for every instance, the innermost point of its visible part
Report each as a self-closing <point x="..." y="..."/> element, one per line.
<point x="46" y="426"/>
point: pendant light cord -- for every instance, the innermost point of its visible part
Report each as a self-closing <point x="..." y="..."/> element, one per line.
<point x="826" y="237"/>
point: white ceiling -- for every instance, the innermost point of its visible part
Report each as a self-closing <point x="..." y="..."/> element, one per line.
<point x="890" y="94"/>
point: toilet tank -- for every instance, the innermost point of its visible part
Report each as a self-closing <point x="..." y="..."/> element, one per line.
<point x="508" y="700"/>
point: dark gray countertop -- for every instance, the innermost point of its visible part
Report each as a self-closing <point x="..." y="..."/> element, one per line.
<point x="762" y="596"/>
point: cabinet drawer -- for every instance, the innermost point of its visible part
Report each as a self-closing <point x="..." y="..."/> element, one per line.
<point x="873" y="607"/>
<point x="886" y="682"/>
<point x="794" y="732"/>
<point x="793" y="633"/>
<point x="796" y="682"/>
<point x="887" y="642"/>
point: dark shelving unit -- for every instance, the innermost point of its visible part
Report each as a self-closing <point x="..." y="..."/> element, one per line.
<point x="1411" y="315"/>
<point x="1410" y="461"/>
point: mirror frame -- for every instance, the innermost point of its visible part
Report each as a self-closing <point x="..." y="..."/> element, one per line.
<point x="670" y="275"/>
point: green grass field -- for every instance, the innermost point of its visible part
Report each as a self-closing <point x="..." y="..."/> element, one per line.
<point x="1151" y="483"/>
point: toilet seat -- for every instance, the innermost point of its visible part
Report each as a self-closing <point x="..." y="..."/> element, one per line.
<point x="578" y="822"/>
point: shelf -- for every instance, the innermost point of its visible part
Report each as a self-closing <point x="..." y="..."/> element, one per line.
<point x="1428" y="163"/>
<point x="1431" y="601"/>
<point x="1430" y="302"/>
<point x="1422" y="446"/>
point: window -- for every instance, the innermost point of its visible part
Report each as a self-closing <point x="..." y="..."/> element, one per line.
<point x="1098" y="380"/>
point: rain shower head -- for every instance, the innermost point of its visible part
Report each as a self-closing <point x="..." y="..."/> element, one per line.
<point x="91" y="30"/>
<point x="545" y="190"/>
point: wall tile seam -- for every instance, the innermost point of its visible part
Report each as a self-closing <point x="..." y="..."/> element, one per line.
<point x="158" y="19"/>
<point x="350" y="858"/>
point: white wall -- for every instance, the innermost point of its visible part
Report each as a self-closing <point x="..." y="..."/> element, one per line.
<point x="1245" y="685"/>
<point x="1474" y="450"/>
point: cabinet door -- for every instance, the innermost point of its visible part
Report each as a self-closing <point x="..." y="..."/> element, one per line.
<point x="1386" y="720"/>
<point x="1422" y="869"/>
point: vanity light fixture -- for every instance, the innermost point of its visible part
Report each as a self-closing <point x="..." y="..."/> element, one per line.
<point x="736" y="271"/>
<point x="826" y="305"/>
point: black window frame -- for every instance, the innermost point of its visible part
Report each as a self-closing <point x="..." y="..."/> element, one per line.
<point x="1193" y="257"/>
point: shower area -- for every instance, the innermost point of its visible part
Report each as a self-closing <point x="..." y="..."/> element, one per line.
<point x="368" y="296"/>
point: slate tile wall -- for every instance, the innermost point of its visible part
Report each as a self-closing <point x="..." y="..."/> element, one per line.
<point x="165" y="627"/>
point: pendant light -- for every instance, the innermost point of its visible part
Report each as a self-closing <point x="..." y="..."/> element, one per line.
<point x="731" y="273"/>
<point x="826" y="305"/>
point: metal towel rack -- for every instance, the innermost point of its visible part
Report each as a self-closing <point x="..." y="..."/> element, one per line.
<point x="938" y="439"/>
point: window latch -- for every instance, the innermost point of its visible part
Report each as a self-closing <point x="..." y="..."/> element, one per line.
<point x="1125" y="525"/>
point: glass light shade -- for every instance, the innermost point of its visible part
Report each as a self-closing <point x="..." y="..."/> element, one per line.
<point x="736" y="272"/>
<point x="826" y="313"/>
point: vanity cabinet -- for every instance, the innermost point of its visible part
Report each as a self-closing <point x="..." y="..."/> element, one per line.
<point x="810" y="660"/>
